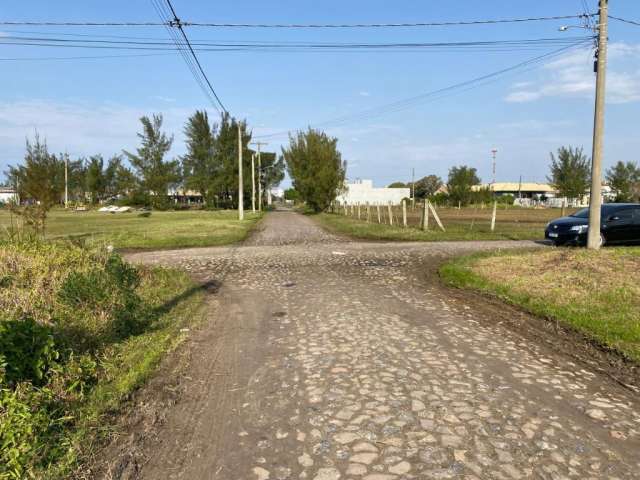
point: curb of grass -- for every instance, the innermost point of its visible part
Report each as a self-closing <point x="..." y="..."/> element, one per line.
<point x="457" y="273"/>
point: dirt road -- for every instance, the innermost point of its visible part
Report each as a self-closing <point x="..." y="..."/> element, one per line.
<point x="325" y="359"/>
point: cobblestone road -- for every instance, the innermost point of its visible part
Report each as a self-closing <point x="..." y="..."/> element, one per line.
<point x="349" y="362"/>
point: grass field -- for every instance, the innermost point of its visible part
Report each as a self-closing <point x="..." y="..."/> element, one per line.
<point x="595" y="292"/>
<point x="464" y="224"/>
<point x="158" y="231"/>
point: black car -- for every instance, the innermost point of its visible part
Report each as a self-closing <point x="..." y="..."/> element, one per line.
<point x="620" y="223"/>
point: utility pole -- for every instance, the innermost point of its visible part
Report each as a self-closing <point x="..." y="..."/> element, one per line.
<point x="240" y="184"/>
<point x="595" y="201"/>
<point x="493" y="153"/>
<point x="253" y="182"/>
<point x="413" y="188"/>
<point x="259" y="144"/>
<point x="66" y="180"/>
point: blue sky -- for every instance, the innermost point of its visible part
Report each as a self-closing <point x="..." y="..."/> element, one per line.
<point x="93" y="105"/>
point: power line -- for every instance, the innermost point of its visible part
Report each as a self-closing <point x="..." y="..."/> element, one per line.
<point x="176" y="23"/>
<point x="84" y="57"/>
<point x="435" y="94"/>
<point x="299" y="25"/>
<point x="624" y="20"/>
<point x="514" y="44"/>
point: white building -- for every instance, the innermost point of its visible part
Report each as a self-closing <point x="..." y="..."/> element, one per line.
<point x="363" y="192"/>
<point x="7" y="195"/>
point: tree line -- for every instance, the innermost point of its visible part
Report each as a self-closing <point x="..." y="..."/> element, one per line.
<point x="146" y="176"/>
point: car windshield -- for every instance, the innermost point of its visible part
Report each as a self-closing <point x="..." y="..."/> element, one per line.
<point x="584" y="213"/>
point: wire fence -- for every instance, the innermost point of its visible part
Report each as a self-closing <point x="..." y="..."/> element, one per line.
<point x="431" y="217"/>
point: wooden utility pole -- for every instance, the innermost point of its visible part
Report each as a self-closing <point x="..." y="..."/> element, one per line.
<point x="595" y="201"/>
<point x="253" y="182"/>
<point x="240" y="184"/>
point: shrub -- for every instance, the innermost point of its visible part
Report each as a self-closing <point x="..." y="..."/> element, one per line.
<point x="27" y="350"/>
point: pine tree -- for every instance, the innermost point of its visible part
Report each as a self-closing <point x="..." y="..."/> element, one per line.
<point x="570" y="172"/>
<point x="155" y="174"/>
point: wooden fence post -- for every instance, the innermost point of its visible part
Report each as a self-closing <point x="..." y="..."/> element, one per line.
<point x="390" y="214"/>
<point x="435" y="215"/>
<point x="378" y="209"/>
<point x="404" y="213"/>
<point x="368" y="213"/>
<point x="425" y="215"/>
<point x="493" y="216"/>
<point x="358" y="210"/>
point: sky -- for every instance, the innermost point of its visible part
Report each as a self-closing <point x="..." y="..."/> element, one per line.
<point x="93" y="105"/>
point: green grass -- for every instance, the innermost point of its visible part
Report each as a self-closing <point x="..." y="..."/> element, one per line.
<point x="105" y="325"/>
<point x="128" y="365"/>
<point x="594" y="292"/>
<point x="161" y="230"/>
<point x="455" y="231"/>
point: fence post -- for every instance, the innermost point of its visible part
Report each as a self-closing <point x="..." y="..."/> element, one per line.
<point x="425" y="216"/>
<point x="493" y="216"/>
<point x="368" y="213"/>
<point x="390" y="214"/>
<point x="358" y="210"/>
<point x="404" y="213"/>
<point x="378" y="209"/>
<point x="435" y="215"/>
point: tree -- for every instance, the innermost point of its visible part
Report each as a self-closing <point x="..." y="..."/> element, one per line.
<point x="570" y="172"/>
<point x="272" y="172"/>
<point x="156" y="175"/>
<point x="316" y="168"/>
<point x="200" y="165"/>
<point x="624" y="180"/>
<point x="460" y="182"/>
<point x="40" y="180"/>
<point x="427" y="186"/>
<point x="119" y="180"/>
<point x="95" y="178"/>
<point x="226" y="157"/>
<point x="397" y="185"/>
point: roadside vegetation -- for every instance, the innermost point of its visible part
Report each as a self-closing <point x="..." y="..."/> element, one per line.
<point x="594" y="292"/>
<point x="149" y="230"/>
<point x="79" y="331"/>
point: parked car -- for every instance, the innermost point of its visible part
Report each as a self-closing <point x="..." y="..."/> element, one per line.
<point x="620" y="223"/>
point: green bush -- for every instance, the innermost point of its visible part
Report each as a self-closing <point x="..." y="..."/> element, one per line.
<point x="27" y="351"/>
<point x="62" y="306"/>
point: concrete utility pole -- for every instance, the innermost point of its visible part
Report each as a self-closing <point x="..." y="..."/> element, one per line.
<point x="595" y="201"/>
<point x="413" y="188"/>
<point x="259" y="144"/>
<point x="240" y="183"/>
<point x="253" y="182"/>
<point x="493" y="153"/>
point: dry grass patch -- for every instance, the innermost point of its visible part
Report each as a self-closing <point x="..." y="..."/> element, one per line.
<point x="595" y="292"/>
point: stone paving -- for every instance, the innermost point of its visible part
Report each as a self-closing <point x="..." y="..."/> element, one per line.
<point x="374" y="374"/>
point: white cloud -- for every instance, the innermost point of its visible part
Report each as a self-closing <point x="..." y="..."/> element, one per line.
<point x="78" y="128"/>
<point x="572" y="76"/>
<point x="364" y="94"/>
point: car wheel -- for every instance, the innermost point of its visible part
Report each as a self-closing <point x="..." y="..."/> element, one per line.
<point x="603" y="240"/>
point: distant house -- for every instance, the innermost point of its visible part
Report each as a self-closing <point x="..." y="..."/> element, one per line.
<point x="363" y="192"/>
<point x="530" y="190"/>
<point x="8" y="194"/>
<point x="183" y="196"/>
